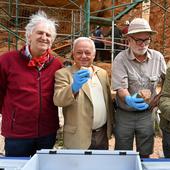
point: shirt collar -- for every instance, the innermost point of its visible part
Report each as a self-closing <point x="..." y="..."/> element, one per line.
<point x="27" y="52"/>
<point x="132" y="57"/>
<point x="92" y="67"/>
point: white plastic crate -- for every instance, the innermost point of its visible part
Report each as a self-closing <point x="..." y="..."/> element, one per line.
<point x="84" y="160"/>
<point x="12" y="163"/>
<point x="156" y="164"/>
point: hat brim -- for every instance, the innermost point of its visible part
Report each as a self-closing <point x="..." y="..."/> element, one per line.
<point x="140" y="31"/>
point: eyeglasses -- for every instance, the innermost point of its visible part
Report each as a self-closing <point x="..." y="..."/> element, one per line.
<point x="141" y="41"/>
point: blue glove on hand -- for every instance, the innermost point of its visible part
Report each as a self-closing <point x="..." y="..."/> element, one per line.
<point x="137" y="103"/>
<point x="79" y="78"/>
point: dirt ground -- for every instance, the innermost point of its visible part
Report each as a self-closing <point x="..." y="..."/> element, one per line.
<point x="1" y="145"/>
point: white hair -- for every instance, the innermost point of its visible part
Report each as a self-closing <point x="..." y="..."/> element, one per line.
<point x="35" y="19"/>
<point x="84" y="39"/>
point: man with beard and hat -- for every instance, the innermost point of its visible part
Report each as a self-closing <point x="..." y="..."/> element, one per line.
<point x="135" y="74"/>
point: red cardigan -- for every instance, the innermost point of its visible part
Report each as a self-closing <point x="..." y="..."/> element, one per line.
<point x="26" y="97"/>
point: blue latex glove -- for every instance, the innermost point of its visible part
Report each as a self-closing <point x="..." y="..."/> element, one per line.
<point x="137" y="103"/>
<point x="79" y="78"/>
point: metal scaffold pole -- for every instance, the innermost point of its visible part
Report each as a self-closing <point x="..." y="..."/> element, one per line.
<point x="112" y="55"/>
<point x="16" y="22"/>
<point x="87" y="17"/>
<point x="9" y="34"/>
<point x="112" y="52"/>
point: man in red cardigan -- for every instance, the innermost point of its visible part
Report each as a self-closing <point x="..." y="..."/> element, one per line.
<point x="29" y="117"/>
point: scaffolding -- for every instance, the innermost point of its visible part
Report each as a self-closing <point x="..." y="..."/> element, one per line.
<point x="108" y="21"/>
<point x="14" y="15"/>
<point x="163" y="5"/>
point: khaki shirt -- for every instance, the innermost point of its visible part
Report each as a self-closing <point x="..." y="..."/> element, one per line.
<point x="133" y="75"/>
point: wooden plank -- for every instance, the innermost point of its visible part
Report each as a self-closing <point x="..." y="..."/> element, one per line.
<point x="61" y="47"/>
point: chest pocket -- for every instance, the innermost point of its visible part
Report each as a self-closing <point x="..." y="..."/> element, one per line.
<point x="133" y="84"/>
<point x="153" y="81"/>
<point x="133" y="80"/>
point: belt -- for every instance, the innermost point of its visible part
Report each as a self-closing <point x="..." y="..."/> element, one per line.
<point x="134" y="111"/>
<point x="99" y="129"/>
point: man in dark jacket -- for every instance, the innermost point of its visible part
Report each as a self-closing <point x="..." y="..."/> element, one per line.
<point x="29" y="117"/>
<point x="164" y="106"/>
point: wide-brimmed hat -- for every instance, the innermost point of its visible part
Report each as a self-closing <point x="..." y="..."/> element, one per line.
<point x="139" y="25"/>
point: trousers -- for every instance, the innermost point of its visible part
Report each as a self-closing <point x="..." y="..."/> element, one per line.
<point x="166" y="143"/>
<point x="99" y="139"/>
<point x="15" y="147"/>
<point x="136" y="125"/>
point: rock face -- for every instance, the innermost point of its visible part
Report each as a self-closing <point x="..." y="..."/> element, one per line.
<point x="94" y="4"/>
<point x="56" y="3"/>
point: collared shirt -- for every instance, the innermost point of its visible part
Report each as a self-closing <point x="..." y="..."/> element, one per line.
<point x="27" y="52"/>
<point x="133" y="75"/>
<point x="99" y="106"/>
